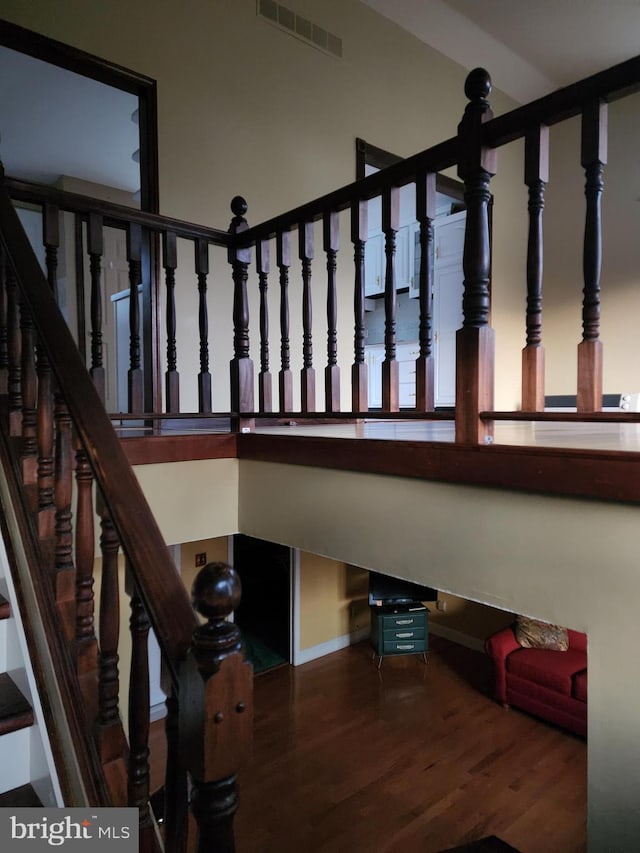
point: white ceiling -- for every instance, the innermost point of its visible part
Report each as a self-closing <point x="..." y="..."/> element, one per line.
<point x="530" y="47"/>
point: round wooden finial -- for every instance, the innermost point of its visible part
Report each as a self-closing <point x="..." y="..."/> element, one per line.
<point x="216" y="591"/>
<point x="239" y="205"/>
<point x="477" y="86"/>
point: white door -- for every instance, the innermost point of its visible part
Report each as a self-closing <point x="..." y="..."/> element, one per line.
<point x="448" y="278"/>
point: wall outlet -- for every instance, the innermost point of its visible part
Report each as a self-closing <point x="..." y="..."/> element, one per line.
<point x="201" y="559"/>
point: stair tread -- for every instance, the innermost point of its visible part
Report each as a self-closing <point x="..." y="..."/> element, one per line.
<point x="15" y="710"/>
<point x="22" y="797"/>
<point x="5" y="609"/>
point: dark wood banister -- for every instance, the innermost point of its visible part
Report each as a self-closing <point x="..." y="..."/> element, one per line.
<point x="161" y="588"/>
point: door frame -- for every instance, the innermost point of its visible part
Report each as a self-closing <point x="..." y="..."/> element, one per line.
<point x="144" y="88"/>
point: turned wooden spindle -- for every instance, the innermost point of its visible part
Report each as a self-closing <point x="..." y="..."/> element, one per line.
<point x="285" y="377"/>
<point x="331" y="239"/>
<point x="425" y="214"/>
<point x="536" y="176"/>
<point x="241" y="365"/>
<point x="359" y="369"/>
<point x="593" y="159"/>
<point x="475" y="345"/>
<point x="29" y="452"/>
<point x="307" y="374"/>
<point x="95" y="244"/>
<point x="14" y="350"/>
<point x="46" y="460"/>
<point x="201" y="248"/>
<point x="86" y="644"/>
<point x="4" y="342"/>
<point x="51" y="241"/>
<point x="63" y="567"/>
<point x="109" y="680"/>
<point x="172" y="377"/>
<point x="135" y="385"/>
<point x="216" y="714"/>
<point x="265" y="383"/>
<point x="390" y="367"/>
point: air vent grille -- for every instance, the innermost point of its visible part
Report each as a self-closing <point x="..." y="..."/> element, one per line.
<point x="288" y="21"/>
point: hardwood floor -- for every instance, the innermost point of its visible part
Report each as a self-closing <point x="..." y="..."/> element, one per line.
<point x="416" y="758"/>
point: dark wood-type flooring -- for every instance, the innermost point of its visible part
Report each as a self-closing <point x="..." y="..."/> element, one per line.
<point x="415" y="758"/>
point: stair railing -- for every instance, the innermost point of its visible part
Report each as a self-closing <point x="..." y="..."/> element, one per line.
<point x="55" y="425"/>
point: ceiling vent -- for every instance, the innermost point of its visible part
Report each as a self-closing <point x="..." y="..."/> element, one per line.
<point x="302" y="28"/>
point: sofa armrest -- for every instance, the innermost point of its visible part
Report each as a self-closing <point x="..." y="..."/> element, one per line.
<point x="498" y="647"/>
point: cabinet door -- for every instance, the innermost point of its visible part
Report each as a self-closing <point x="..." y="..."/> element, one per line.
<point x="373" y="265"/>
<point x="375" y="356"/>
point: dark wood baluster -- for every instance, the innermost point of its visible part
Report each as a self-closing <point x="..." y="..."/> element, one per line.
<point x="475" y="345"/>
<point x="204" y="377"/>
<point x="285" y="377"/>
<point x="176" y="814"/>
<point x="86" y="647"/>
<point x="265" y="385"/>
<point x="359" y="370"/>
<point x="216" y="708"/>
<point x="425" y="214"/>
<point x="14" y="349"/>
<point x="46" y="462"/>
<point x="29" y="452"/>
<point x="4" y="338"/>
<point x="64" y="569"/>
<point x="172" y="377"/>
<point x="331" y="235"/>
<point x="134" y="377"/>
<point x="307" y="374"/>
<point x="139" y="704"/>
<point x="536" y="176"/>
<point x="593" y="159"/>
<point x="390" y="368"/>
<point x="96" y="249"/>
<point x="241" y="366"/>
<point x="51" y="240"/>
<point x="110" y="735"/>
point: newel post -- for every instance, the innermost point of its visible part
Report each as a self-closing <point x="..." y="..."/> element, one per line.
<point x="241" y="365"/>
<point x="475" y="343"/>
<point x="216" y="712"/>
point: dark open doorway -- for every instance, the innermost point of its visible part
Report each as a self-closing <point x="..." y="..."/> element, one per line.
<point x="264" y="614"/>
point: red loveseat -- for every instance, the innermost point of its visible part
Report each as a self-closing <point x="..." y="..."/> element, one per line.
<point x="550" y="684"/>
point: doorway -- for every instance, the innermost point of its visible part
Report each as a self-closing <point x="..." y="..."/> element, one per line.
<point x="264" y="613"/>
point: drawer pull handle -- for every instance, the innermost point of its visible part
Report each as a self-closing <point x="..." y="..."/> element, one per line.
<point x="404" y="635"/>
<point x="404" y="621"/>
<point x="406" y="647"/>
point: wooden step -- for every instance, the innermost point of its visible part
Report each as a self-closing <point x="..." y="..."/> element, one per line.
<point x="15" y="711"/>
<point x="5" y="609"/>
<point x="22" y="797"/>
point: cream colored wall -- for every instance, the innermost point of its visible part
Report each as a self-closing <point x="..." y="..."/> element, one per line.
<point x="329" y="594"/>
<point x="245" y="108"/>
<point x="216" y="550"/>
<point x="469" y="618"/>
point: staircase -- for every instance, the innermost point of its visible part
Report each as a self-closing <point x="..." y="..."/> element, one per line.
<point x="27" y="775"/>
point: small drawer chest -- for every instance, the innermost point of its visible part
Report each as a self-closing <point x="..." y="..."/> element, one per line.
<point x="400" y="630"/>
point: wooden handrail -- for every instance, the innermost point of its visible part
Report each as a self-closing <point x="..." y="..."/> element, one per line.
<point x="161" y="589"/>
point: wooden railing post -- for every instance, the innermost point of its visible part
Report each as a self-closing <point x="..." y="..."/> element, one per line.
<point x="172" y="377"/>
<point x="390" y="367"/>
<point x="265" y="383"/>
<point x="359" y="369"/>
<point x="331" y="235"/>
<point x="425" y="214"/>
<point x="593" y="159"/>
<point x="536" y="175"/>
<point x="475" y="344"/>
<point x="241" y="365"/>
<point x="307" y="374"/>
<point x="216" y="714"/>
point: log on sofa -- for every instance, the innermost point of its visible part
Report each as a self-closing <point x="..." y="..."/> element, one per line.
<point x="546" y="682"/>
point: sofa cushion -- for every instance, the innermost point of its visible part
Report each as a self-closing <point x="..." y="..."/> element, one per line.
<point x="549" y="668"/>
<point x="580" y="686"/>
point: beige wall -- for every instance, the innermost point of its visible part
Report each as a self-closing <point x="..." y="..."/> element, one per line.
<point x="331" y="593"/>
<point x="471" y="619"/>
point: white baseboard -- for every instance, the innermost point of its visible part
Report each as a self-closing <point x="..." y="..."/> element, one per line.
<point x="458" y="637"/>
<point x="330" y="646"/>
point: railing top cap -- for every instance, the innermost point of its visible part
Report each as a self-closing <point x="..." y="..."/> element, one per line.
<point x="477" y="86"/>
<point x="216" y="591"/>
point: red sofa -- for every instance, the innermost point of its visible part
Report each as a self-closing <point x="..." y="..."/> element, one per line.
<point x="549" y="684"/>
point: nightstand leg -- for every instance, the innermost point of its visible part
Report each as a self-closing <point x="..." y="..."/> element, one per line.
<point x="380" y="662"/>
